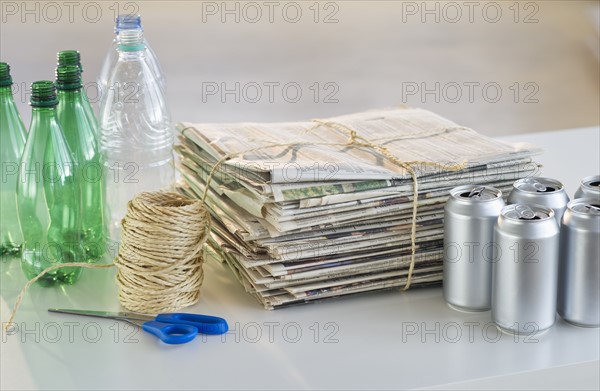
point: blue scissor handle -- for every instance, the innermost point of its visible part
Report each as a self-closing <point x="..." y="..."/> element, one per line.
<point x="171" y="333"/>
<point x="204" y="323"/>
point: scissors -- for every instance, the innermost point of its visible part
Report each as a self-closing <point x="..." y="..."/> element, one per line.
<point x="173" y="329"/>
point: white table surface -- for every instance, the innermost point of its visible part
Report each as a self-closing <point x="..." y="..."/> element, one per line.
<point x="386" y="340"/>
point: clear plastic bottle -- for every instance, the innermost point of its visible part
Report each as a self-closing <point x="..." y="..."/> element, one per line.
<point x="12" y="141"/>
<point x="48" y="195"/>
<point x="128" y="22"/>
<point x="80" y="133"/>
<point x="136" y="140"/>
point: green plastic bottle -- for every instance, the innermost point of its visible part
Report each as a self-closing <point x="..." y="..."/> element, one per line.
<point x="48" y="194"/>
<point x="12" y="141"/>
<point x="80" y="135"/>
<point x="73" y="57"/>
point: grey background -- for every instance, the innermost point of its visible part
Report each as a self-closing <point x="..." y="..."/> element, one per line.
<point x="369" y="55"/>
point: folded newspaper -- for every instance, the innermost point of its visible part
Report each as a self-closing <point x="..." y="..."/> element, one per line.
<point x="303" y="211"/>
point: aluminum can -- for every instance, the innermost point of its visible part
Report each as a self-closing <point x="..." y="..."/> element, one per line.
<point x="469" y="217"/>
<point x="579" y="276"/>
<point x="541" y="191"/>
<point x="525" y="274"/>
<point x="589" y="188"/>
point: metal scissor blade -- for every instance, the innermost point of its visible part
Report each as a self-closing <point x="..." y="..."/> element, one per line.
<point x="103" y="314"/>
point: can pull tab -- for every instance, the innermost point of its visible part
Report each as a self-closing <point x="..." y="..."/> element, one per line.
<point x="524" y="212"/>
<point x="476" y="192"/>
<point x="539" y="187"/>
<point x="533" y="185"/>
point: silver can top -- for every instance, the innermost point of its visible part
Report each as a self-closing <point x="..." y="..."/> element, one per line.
<point x="585" y="206"/>
<point x="591" y="182"/>
<point x="475" y="193"/>
<point x="527" y="212"/>
<point x="538" y="185"/>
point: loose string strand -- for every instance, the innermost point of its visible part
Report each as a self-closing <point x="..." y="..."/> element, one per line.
<point x="19" y="300"/>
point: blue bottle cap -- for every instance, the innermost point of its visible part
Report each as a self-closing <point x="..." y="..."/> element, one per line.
<point x="128" y="22"/>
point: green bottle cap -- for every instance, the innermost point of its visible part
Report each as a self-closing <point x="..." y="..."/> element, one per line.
<point x="5" y="79"/>
<point x="43" y="94"/>
<point x="69" y="57"/>
<point x="68" y="77"/>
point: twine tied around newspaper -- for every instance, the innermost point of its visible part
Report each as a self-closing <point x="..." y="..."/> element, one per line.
<point x="357" y="141"/>
<point x="159" y="264"/>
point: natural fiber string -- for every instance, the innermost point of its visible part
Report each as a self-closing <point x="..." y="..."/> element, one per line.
<point x="160" y="257"/>
<point x="355" y="140"/>
<point x="42" y="273"/>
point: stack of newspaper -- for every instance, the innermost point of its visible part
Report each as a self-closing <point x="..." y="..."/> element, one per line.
<point x="305" y="211"/>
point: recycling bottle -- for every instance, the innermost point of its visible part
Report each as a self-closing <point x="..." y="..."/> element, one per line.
<point x="128" y="22"/>
<point x="48" y="195"/>
<point x="80" y="135"/>
<point x="73" y="57"/>
<point x="136" y="141"/>
<point x="12" y="141"/>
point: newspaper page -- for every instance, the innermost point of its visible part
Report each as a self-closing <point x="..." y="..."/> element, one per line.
<point x="315" y="151"/>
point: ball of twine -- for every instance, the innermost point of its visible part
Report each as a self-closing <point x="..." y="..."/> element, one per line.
<point x="161" y="253"/>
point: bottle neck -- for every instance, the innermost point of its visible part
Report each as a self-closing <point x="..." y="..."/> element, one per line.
<point x="69" y="95"/>
<point x="43" y="121"/>
<point x="43" y="113"/>
<point x="130" y="56"/>
<point x="44" y="126"/>
<point x="6" y="92"/>
<point x="7" y="103"/>
<point x="131" y="41"/>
